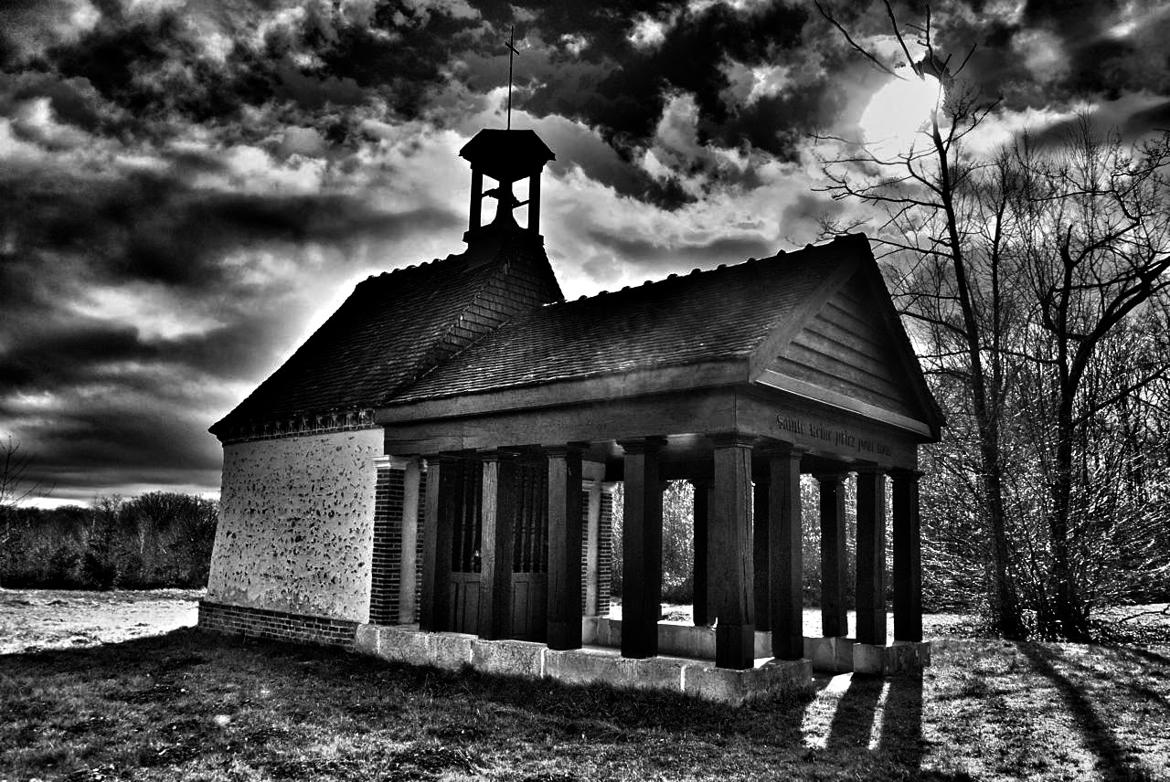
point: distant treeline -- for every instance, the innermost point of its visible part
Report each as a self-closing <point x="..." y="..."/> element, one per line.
<point x="161" y="539"/>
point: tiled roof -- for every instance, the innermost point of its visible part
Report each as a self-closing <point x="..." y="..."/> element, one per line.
<point x="396" y="326"/>
<point x="721" y="314"/>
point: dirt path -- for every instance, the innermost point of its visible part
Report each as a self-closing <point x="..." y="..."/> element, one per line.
<point x="34" y="619"/>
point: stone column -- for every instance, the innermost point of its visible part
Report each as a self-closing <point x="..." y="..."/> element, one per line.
<point x="702" y="510"/>
<point x="497" y="513"/>
<point x="564" y="547"/>
<point x="834" y="622"/>
<point x="408" y="567"/>
<point x="641" y="548"/>
<point x="871" y="556"/>
<point x="443" y="487"/>
<point x="907" y="556"/>
<point x="786" y="553"/>
<point x="730" y="557"/>
<point x="761" y="552"/>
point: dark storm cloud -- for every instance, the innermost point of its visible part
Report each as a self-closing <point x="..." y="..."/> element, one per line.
<point x="622" y="88"/>
<point x="154" y="227"/>
<point x="108" y="445"/>
<point x="654" y="257"/>
<point x="1057" y="52"/>
<point x="133" y="112"/>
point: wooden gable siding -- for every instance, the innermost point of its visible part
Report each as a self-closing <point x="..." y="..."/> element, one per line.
<point x="846" y="348"/>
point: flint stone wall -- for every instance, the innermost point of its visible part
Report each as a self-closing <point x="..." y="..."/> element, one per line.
<point x="297" y="524"/>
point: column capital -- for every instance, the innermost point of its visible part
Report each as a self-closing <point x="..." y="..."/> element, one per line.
<point x="782" y="448"/>
<point x="869" y="468"/>
<point x="733" y="439"/>
<point x="496" y="454"/>
<point x="566" y="449"/>
<point x="831" y="477"/>
<point x="642" y="444"/>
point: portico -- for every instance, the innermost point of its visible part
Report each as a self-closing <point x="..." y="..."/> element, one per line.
<point x="739" y="380"/>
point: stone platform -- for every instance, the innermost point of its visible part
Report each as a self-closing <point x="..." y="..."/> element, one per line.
<point x="828" y="655"/>
<point x="588" y="665"/>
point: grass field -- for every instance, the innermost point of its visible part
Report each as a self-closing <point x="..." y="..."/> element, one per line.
<point x="194" y="706"/>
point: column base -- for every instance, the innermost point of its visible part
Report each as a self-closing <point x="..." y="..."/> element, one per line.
<point x="735" y="646"/>
<point x="901" y="657"/>
<point x="830" y="654"/>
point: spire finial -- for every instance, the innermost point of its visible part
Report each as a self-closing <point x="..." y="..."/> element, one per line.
<point x="511" y="55"/>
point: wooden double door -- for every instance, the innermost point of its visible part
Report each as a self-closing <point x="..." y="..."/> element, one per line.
<point x="524" y="485"/>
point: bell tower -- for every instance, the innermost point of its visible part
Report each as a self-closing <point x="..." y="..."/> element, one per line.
<point x="506" y="156"/>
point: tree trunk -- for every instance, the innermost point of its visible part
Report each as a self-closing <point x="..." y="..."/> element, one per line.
<point x="1068" y="611"/>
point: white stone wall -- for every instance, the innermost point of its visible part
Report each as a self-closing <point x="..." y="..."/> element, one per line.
<point x="297" y="524"/>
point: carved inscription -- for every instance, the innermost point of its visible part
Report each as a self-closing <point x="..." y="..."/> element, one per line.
<point x="835" y="436"/>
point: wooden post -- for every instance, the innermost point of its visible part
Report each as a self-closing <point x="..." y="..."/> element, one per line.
<point x="497" y="513"/>
<point x="834" y="622"/>
<point x="443" y="488"/>
<point x="702" y="505"/>
<point x="408" y="564"/>
<point x="641" y="548"/>
<point x="871" y="557"/>
<point x="564" y="547"/>
<point x="786" y="549"/>
<point x="476" y="199"/>
<point x="761" y="552"/>
<point x="730" y="557"/>
<point x="534" y="203"/>
<point x="907" y="556"/>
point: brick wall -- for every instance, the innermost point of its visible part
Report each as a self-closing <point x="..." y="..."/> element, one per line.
<point x="418" y="553"/>
<point x="387" y="554"/>
<point x="605" y="553"/>
<point x="276" y="625"/>
<point x="584" y="549"/>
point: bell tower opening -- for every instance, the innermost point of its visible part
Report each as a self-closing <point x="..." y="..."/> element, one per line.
<point x="507" y="157"/>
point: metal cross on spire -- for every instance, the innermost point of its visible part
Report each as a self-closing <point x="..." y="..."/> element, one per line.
<point x="511" y="56"/>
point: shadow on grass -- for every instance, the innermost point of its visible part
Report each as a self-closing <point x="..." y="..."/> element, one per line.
<point x="902" y="721"/>
<point x="201" y="703"/>
<point x="856" y="712"/>
<point x="1145" y="654"/>
<point x="1112" y="761"/>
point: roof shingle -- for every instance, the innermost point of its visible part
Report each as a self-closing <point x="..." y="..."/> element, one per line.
<point x="397" y="325"/>
<point x="721" y="314"/>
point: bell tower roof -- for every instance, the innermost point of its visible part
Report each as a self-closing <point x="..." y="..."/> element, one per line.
<point x="507" y="155"/>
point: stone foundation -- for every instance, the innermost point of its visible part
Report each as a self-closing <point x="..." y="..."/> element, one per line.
<point x="276" y="625"/>
<point x="590" y="665"/>
<point x="901" y="657"/>
<point x="828" y="655"/>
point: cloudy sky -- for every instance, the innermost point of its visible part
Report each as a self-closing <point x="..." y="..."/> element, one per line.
<point x="189" y="187"/>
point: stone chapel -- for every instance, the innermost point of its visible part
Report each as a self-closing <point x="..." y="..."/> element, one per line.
<point x="429" y="477"/>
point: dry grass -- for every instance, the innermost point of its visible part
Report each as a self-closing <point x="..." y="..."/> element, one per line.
<point x="193" y="706"/>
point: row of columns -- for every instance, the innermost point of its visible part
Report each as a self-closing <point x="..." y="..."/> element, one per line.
<point x="748" y="567"/>
<point x="747" y="570"/>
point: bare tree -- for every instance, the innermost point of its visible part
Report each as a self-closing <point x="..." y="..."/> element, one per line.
<point x="14" y="484"/>
<point x="1096" y="253"/>
<point x="1017" y="273"/>
<point x="929" y="195"/>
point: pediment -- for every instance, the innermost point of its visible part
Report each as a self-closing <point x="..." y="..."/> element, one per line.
<point x="850" y="351"/>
